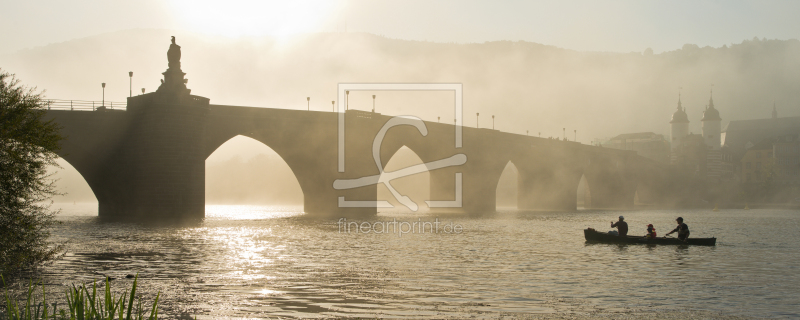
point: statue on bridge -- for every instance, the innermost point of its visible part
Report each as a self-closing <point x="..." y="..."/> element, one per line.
<point x="174" y="55"/>
<point x="173" y="77"/>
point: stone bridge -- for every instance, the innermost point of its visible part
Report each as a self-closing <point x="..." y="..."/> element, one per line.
<point x="148" y="161"/>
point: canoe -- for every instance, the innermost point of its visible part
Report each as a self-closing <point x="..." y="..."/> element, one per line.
<point x="596" y="236"/>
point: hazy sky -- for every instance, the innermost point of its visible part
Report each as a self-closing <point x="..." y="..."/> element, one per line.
<point x="618" y="26"/>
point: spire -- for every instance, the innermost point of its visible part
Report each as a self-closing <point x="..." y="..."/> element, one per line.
<point x="711" y="99"/>
<point x="680" y="115"/>
<point x="774" y="111"/>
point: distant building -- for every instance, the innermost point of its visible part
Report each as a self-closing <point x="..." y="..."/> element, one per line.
<point x="741" y="136"/>
<point x="646" y="144"/>
<point x="786" y="155"/>
<point x="679" y="128"/>
<point x="757" y="162"/>
<point x="691" y="152"/>
<point x="703" y="153"/>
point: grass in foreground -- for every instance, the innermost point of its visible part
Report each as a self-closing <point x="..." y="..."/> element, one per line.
<point x="83" y="305"/>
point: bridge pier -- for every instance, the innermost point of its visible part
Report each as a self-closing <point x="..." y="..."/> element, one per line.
<point x="165" y="159"/>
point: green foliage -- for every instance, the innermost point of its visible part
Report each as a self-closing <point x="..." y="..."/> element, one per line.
<point x="27" y="147"/>
<point x="82" y="305"/>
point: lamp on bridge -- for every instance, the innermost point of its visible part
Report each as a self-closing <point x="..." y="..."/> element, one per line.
<point x="104" y="93"/>
<point x="576" y="135"/>
<point x="308" y="101"/>
<point x="347" y="100"/>
<point x="333" y="106"/>
<point x="438" y="119"/>
<point x="527" y="133"/>
<point x="492" y="122"/>
<point x="130" y="83"/>
<point x="565" y="134"/>
<point x="477" y="120"/>
<point x="373" y="103"/>
<point x="142" y="90"/>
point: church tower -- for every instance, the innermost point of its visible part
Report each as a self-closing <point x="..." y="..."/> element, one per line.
<point x="711" y="136"/>
<point x="679" y="126"/>
<point x="712" y="127"/>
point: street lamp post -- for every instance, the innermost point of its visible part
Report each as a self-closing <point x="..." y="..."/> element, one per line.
<point x="347" y="100"/>
<point x="438" y="119"/>
<point x="142" y="90"/>
<point x="373" y="103"/>
<point x="130" y="83"/>
<point x="492" y="122"/>
<point x="565" y="134"/>
<point x="477" y="120"/>
<point x="527" y="133"/>
<point x="333" y="105"/>
<point x="104" y="93"/>
<point x="308" y="103"/>
<point x="576" y="135"/>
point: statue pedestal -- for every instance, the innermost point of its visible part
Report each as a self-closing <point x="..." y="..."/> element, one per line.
<point x="174" y="82"/>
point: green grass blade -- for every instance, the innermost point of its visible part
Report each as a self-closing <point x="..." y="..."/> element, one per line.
<point x="79" y="304"/>
<point x="121" y="304"/>
<point x="133" y="292"/>
<point x="28" y="300"/>
<point x="139" y="311"/>
<point x="109" y="301"/>
<point x="44" y="302"/>
<point x="154" y="312"/>
<point x="11" y="307"/>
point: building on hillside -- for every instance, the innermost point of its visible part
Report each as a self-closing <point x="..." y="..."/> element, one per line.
<point x="786" y="155"/>
<point x="757" y="162"/>
<point x="740" y="136"/>
<point x="730" y="165"/>
<point x="646" y="144"/>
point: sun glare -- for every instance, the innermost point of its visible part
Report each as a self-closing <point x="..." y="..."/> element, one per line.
<point x="238" y="18"/>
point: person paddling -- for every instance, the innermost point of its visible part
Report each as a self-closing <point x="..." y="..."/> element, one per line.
<point x="621" y="226"/>
<point x="682" y="230"/>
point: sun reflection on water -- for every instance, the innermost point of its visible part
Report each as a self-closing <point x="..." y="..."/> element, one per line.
<point x="250" y="212"/>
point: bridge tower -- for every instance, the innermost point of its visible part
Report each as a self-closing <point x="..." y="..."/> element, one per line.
<point x="679" y="128"/>
<point x="711" y="135"/>
<point x="712" y="126"/>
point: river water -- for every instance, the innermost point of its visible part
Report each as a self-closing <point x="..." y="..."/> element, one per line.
<point x="268" y="262"/>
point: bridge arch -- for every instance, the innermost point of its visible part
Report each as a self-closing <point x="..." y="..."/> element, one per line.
<point x="71" y="183"/>
<point x="262" y="176"/>
<point x="78" y="161"/>
<point x="507" y="189"/>
<point x="416" y="186"/>
<point x="584" y="193"/>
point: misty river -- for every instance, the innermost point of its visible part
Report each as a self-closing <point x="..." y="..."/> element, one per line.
<point x="260" y="262"/>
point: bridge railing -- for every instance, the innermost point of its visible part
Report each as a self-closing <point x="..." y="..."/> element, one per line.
<point x="84" y="105"/>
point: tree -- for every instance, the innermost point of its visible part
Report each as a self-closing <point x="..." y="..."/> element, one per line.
<point x="27" y="147"/>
